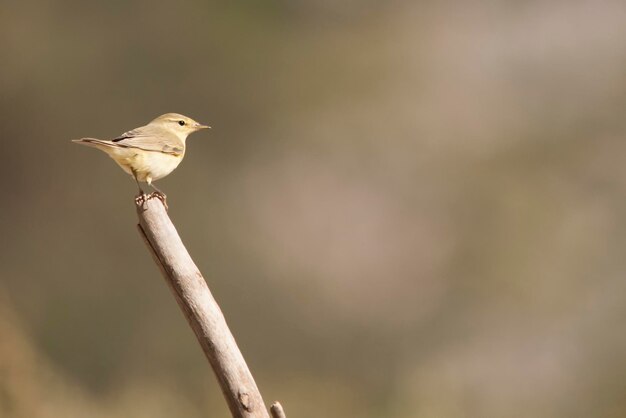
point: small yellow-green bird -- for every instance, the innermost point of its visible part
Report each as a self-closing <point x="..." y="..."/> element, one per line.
<point x="150" y="152"/>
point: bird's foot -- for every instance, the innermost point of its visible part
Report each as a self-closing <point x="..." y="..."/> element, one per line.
<point x="141" y="199"/>
<point x="161" y="196"/>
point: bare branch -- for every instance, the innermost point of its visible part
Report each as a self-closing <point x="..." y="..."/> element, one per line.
<point x="201" y="310"/>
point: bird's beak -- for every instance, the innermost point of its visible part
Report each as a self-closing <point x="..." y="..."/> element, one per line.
<point x="199" y="126"/>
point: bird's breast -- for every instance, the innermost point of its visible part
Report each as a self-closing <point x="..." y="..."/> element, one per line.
<point x="156" y="165"/>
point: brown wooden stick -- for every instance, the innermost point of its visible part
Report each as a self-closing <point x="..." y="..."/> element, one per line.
<point x="201" y="310"/>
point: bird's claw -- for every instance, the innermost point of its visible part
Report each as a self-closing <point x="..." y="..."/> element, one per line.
<point x="142" y="198"/>
<point x="161" y="196"/>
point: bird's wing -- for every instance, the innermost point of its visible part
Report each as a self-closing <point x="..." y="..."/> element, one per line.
<point x="147" y="138"/>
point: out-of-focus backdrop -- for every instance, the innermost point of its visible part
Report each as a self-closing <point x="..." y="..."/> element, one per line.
<point x="405" y="209"/>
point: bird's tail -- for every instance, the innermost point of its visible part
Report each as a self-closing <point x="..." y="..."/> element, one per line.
<point x="101" y="144"/>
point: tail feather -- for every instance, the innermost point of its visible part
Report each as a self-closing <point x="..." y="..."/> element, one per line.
<point x="106" y="146"/>
<point x="93" y="142"/>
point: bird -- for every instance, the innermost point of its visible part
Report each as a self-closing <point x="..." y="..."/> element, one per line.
<point x="150" y="152"/>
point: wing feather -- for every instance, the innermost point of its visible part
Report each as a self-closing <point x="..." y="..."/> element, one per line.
<point x="149" y="138"/>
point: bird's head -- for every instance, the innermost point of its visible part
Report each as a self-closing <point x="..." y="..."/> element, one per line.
<point x="178" y="124"/>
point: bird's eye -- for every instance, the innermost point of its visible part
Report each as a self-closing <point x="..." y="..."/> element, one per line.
<point x="181" y="122"/>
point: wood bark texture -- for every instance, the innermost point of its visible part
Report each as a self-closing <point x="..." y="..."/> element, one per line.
<point x="201" y="310"/>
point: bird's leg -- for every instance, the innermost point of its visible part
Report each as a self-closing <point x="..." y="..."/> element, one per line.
<point x="158" y="193"/>
<point x="141" y="197"/>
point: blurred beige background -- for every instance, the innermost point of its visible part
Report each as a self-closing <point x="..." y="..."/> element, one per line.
<point x="405" y="209"/>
